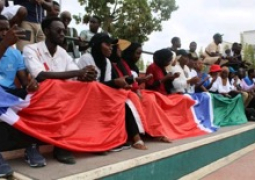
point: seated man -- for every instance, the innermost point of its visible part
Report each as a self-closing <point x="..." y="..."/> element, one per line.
<point x="47" y="60"/>
<point x="15" y="14"/>
<point x="192" y="51"/>
<point x="186" y="80"/>
<point x="212" y="51"/>
<point x="12" y="66"/>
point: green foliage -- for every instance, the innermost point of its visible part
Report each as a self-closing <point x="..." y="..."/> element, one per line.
<point x="141" y="65"/>
<point x="249" y="53"/>
<point x="133" y="20"/>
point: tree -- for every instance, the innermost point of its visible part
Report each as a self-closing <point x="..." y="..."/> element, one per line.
<point x="141" y="65"/>
<point x="249" y="53"/>
<point x="133" y="20"/>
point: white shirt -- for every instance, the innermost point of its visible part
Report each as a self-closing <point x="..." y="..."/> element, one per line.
<point x="38" y="58"/>
<point x="218" y="86"/>
<point x="87" y="60"/>
<point x="192" y="74"/>
<point x="180" y="84"/>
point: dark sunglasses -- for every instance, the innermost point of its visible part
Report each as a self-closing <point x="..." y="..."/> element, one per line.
<point x="59" y="30"/>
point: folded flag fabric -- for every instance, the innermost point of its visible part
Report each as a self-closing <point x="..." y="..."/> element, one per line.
<point x="70" y="114"/>
<point x="228" y="111"/>
<point x="170" y="116"/>
<point x="203" y="111"/>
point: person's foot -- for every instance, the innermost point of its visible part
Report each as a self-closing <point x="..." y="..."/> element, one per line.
<point x="139" y="145"/>
<point x="33" y="157"/>
<point x="163" y="139"/>
<point x="5" y="168"/>
<point x="126" y="146"/>
<point x="117" y="149"/>
<point x="63" y="156"/>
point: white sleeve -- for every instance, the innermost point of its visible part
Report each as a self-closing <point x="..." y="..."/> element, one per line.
<point x="180" y="84"/>
<point x="108" y="73"/>
<point x="71" y="66"/>
<point x="32" y="61"/>
<point x="85" y="60"/>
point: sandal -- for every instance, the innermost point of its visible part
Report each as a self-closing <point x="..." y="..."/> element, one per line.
<point x="164" y="139"/>
<point x="139" y="145"/>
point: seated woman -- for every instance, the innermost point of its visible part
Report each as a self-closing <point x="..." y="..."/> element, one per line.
<point x="206" y="80"/>
<point x="161" y="81"/>
<point x="120" y="69"/>
<point x="177" y="108"/>
<point x="228" y="103"/>
<point x="101" y="49"/>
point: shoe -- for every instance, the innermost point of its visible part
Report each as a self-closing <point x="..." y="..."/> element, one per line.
<point x="5" y="168"/>
<point x="33" y="157"/>
<point x="117" y="149"/>
<point x="126" y="146"/>
<point x="63" y="156"/>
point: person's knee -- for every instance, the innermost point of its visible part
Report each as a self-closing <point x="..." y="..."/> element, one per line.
<point x="22" y="13"/>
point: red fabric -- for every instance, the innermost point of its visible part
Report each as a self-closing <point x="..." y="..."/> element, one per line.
<point x="135" y="85"/>
<point x="168" y="116"/>
<point x="157" y="75"/>
<point x="76" y="116"/>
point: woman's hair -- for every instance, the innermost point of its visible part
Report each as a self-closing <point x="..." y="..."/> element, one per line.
<point x="114" y="56"/>
<point x="97" y="54"/>
<point x="128" y="55"/>
<point x="161" y="57"/>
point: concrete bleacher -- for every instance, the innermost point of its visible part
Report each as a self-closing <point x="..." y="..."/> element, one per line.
<point x="191" y="158"/>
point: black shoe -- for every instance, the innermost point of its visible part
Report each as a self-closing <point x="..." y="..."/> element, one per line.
<point x="63" y="156"/>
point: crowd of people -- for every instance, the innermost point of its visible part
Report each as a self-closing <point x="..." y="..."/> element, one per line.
<point x="47" y="48"/>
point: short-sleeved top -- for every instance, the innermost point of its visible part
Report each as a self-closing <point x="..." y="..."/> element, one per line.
<point x="211" y="48"/>
<point x="220" y="88"/>
<point x="38" y="59"/>
<point x="10" y="63"/>
<point x="87" y="59"/>
<point x="35" y="12"/>
<point x="180" y="84"/>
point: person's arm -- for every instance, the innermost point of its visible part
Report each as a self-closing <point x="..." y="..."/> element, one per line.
<point x="213" y="85"/>
<point x="46" y="4"/>
<point x="75" y="34"/>
<point x="10" y="38"/>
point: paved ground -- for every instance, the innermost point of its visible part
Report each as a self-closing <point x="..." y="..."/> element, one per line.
<point x="86" y="161"/>
<point x="241" y="169"/>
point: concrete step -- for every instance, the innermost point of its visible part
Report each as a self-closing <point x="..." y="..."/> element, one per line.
<point x="189" y="158"/>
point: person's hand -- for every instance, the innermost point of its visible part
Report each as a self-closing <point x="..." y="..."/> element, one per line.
<point x="32" y="86"/>
<point x="121" y="83"/>
<point x="138" y="92"/>
<point x="39" y="2"/>
<point x="177" y="75"/>
<point x="194" y="80"/>
<point x="207" y="78"/>
<point x="87" y="73"/>
<point x="214" y="79"/>
<point x="13" y="36"/>
<point x="144" y="79"/>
